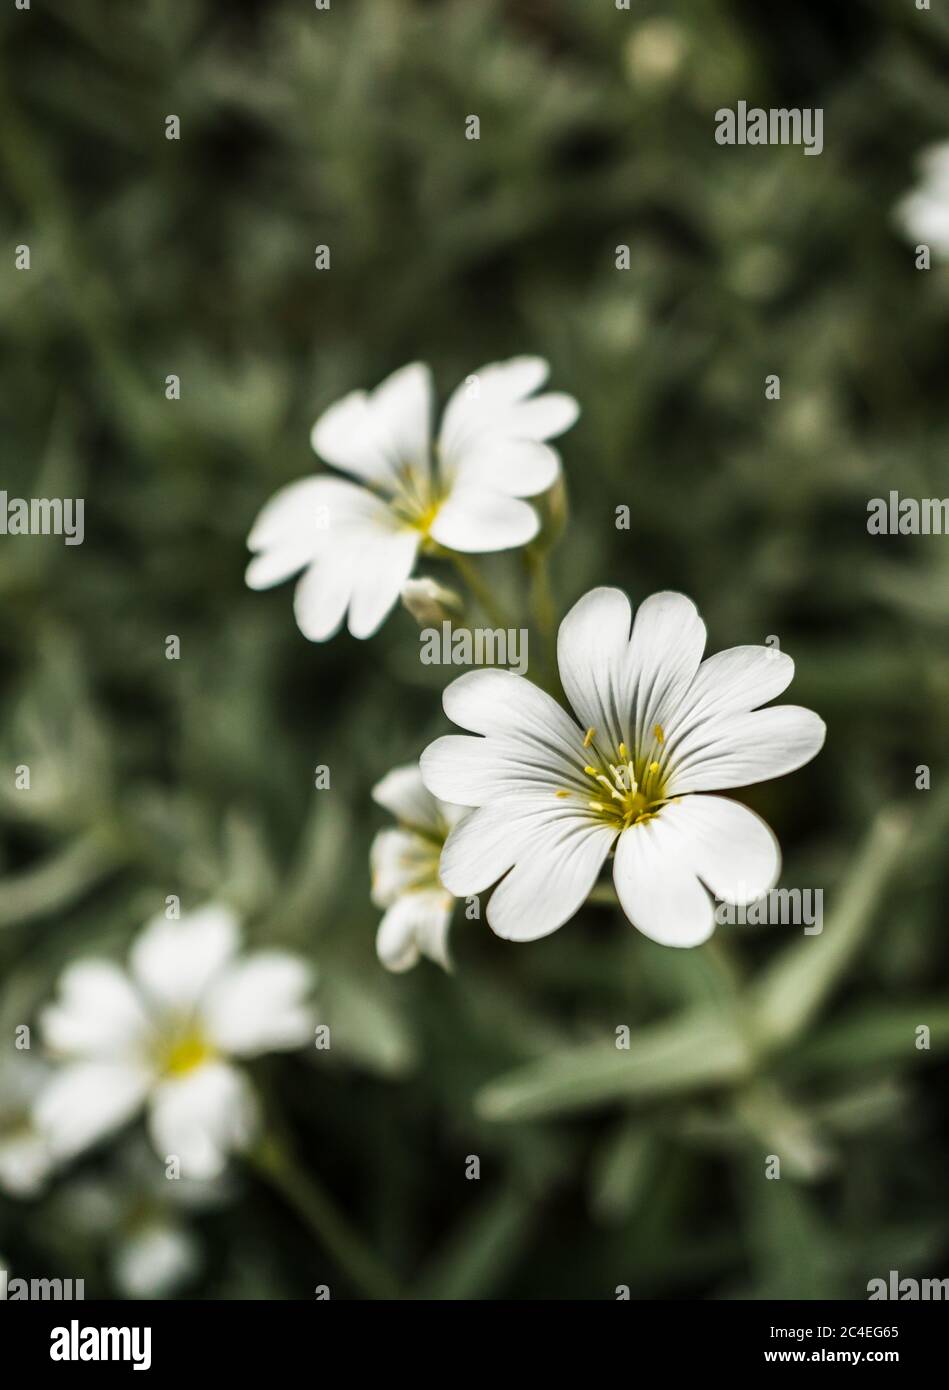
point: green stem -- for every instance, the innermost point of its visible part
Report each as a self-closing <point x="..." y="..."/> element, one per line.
<point x="544" y="612"/>
<point x="480" y="589"/>
<point x="719" y="952"/>
<point x="604" y="895"/>
<point x="313" y="1204"/>
<point x="541" y="595"/>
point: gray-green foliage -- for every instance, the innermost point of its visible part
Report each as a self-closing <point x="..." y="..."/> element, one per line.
<point x="149" y="776"/>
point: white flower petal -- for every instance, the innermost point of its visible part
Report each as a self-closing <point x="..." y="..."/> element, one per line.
<point x="363" y="573"/>
<point x="405" y="796"/>
<point x="260" y="1004"/>
<point x="386" y="565"/>
<point x="346" y="436"/>
<point x="733" y="682"/>
<point x="733" y="851"/>
<point x="416" y="924"/>
<point x="557" y="865"/>
<point x="201" y="1117"/>
<point x="543" y="417"/>
<point x="738" y="750"/>
<point x="473" y="771"/>
<point x="25" y="1162"/>
<point x="403" y="407"/>
<point x="667" y="644"/>
<point x="517" y="467"/>
<point x="924" y="216"/>
<point x="173" y="962"/>
<point x="934" y="165"/>
<point x="84" y="1101"/>
<point x="473" y="520"/>
<point x="304" y="520"/>
<point x="556" y="856"/>
<point x="481" y="849"/>
<point x="324" y="593"/>
<point x="657" y="884"/>
<point x="532" y="745"/>
<point x="98" y="1012"/>
<point x="494" y="701"/>
<point x="593" y="654"/>
<point x="274" y="566"/>
<point x="659" y="863"/>
<point x="623" y="684"/>
<point x="496" y="403"/>
<point x="401" y="860"/>
<point x="154" y="1260"/>
<point x="474" y="404"/>
<point x="374" y="436"/>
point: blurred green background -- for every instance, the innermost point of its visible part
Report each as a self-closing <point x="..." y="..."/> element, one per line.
<point x="150" y="777"/>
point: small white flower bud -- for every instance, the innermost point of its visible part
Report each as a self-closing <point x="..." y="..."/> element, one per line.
<point x="429" y="601"/>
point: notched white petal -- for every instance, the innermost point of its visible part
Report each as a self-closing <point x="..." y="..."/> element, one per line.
<point x="739" y="750"/>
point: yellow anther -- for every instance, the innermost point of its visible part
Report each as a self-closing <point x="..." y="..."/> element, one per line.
<point x="653" y="768"/>
<point x="623" y="752"/>
<point x="597" y="806"/>
<point x="590" y="771"/>
<point x="657" y="730"/>
<point x="558" y="793"/>
<point x="588" y="737"/>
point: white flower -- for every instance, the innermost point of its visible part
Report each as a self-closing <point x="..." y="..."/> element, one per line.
<point x="25" y="1157"/>
<point x="357" y="542"/>
<point x="405" y="871"/>
<point x="164" y="1035"/>
<point x="924" y="213"/>
<point x="154" y="1258"/>
<point x="657" y="725"/>
<point x="138" y="1218"/>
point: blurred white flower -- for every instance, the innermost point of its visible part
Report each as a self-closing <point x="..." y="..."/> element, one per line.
<point x="140" y="1217"/>
<point x="405" y="878"/>
<point x="154" y="1258"/>
<point x="25" y="1157"/>
<point x="924" y="213"/>
<point x="164" y="1035"/>
<point x="657" y="724"/>
<point x="655" y="51"/>
<point x="357" y="542"/>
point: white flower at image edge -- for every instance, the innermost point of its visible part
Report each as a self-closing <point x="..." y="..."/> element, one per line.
<point x="357" y="542"/>
<point x="924" y="213"/>
<point x="25" y="1157"/>
<point x="659" y="728"/>
<point x="404" y="863"/>
<point x="166" y="1035"/>
<point x="154" y="1259"/>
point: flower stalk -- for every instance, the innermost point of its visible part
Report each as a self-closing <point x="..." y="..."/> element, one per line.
<point x="301" y="1191"/>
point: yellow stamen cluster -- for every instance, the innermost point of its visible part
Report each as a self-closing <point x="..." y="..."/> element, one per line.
<point x="629" y="790"/>
<point x="418" y="501"/>
<point x="184" y="1053"/>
